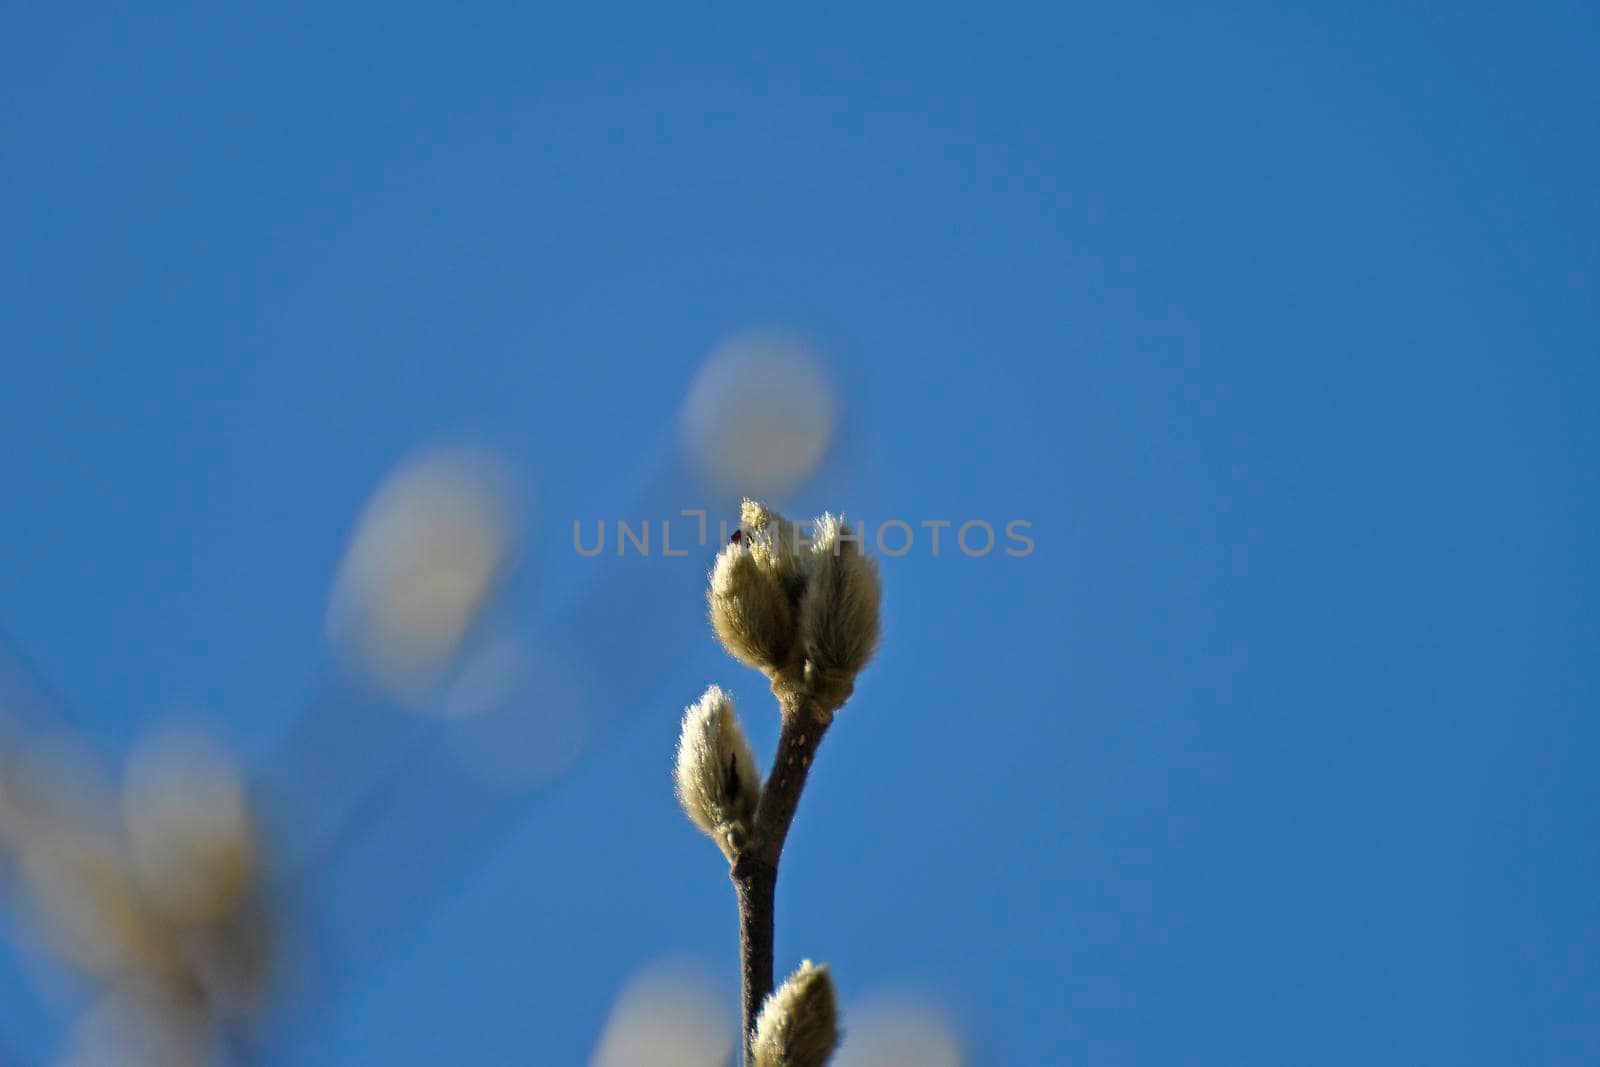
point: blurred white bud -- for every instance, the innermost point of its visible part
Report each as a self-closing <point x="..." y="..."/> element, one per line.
<point x="424" y="558"/>
<point x="760" y="414"/>
<point x="128" y="1029"/>
<point x="57" y="780"/>
<point x="79" y="884"/>
<point x="668" y="1016"/>
<point x="718" y="783"/>
<point x="520" y="714"/>
<point x="799" y="1024"/>
<point x="188" y="828"/>
<point x="899" y="1031"/>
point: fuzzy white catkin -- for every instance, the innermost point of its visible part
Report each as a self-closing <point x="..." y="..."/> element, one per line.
<point x="750" y="611"/>
<point x="799" y="1024"/>
<point x="839" y="609"/>
<point x="718" y="784"/>
<point x="190" y="843"/>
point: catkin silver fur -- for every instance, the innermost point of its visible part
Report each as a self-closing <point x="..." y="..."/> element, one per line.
<point x="799" y="1024"/>
<point x="718" y="783"/>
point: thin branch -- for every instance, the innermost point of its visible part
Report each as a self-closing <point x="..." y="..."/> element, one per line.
<point x="755" y="883"/>
<point x="755" y="871"/>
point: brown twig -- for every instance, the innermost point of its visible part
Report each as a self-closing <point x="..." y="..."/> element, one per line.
<point x="755" y="871"/>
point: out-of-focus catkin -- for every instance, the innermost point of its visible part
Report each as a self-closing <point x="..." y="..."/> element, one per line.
<point x="799" y="1024"/>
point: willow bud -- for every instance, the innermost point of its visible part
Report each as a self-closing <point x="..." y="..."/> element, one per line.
<point x="838" y="612"/>
<point x="799" y="1024"/>
<point x="718" y="784"/>
<point x="750" y="611"/>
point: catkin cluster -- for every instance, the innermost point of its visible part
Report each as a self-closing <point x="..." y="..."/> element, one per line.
<point x="803" y="611"/>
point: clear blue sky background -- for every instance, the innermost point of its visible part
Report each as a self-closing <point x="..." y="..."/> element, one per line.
<point x="1279" y="326"/>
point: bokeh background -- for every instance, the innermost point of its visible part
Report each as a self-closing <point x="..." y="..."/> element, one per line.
<point x="322" y="327"/>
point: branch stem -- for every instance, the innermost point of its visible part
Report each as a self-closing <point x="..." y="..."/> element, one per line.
<point x="755" y="871"/>
<point x="755" y="883"/>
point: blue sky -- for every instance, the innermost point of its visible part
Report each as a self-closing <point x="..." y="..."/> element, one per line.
<point x="1279" y="326"/>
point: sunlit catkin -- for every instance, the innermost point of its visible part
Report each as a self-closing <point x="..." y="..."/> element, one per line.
<point x="799" y="1024"/>
<point x="804" y="611"/>
<point x="718" y="784"/>
<point x="778" y="545"/>
<point x="750" y="611"/>
<point x="838" y="611"/>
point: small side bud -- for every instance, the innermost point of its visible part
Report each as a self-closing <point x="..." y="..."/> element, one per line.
<point x="799" y="1024"/>
<point x="750" y="612"/>
<point x="718" y="784"/>
<point x="839" y="612"/>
